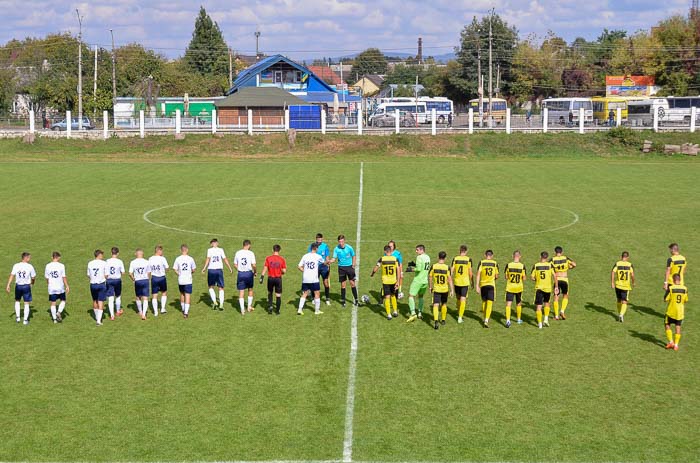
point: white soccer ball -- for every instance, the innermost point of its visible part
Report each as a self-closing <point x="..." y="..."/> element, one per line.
<point x="365" y="299"/>
<point x="400" y="295"/>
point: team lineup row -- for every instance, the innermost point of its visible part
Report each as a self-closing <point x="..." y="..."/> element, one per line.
<point x="442" y="280"/>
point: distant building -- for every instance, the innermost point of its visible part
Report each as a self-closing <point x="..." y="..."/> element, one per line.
<point x="370" y="84"/>
<point x="267" y="104"/>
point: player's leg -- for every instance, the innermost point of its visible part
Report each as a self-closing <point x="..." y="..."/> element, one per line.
<point x="421" y="294"/>
<point x="623" y="305"/>
<point x="342" y="279"/>
<point x="317" y="301"/>
<point x="188" y="298"/>
<point x="241" y="294"/>
<point x="509" y="303"/>
<point x="669" y="333"/>
<point x="163" y="297"/>
<point x="270" y="291"/>
<point x="18" y="309"/>
<point x="278" y="298"/>
<point x="212" y="290"/>
<point x="490" y="297"/>
<point x="353" y="288"/>
<point x="394" y="304"/>
<point x="387" y="306"/>
<point x="100" y="308"/>
<point x="110" y="300"/>
<point x="677" y="338"/>
<point x="302" y="301"/>
<point x="154" y="304"/>
<point x="462" y="306"/>
<point x="52" y="308"/>
<point x="443" y="309"/>
<point x="556" y="304"/>
<point x="118" y="298"/>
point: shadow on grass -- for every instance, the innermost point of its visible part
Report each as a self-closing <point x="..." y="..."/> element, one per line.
<point x="646" y="311"/>
<point x="600" y="309"/>
<point x="647" y="338"/>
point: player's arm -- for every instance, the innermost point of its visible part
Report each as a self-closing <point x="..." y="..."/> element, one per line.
<point x="374" y="270"/>
<point x="9" y="282"/>
<point x="477" y="286"/>
<point x="498" y="273"/>
<point x="452" y="286"/>
<point x="65" y="283"/>
<point x="556" y="282"/>
<point x="430" y="280"/>
<point x="399" y="280"/>
<point x="255" y="268"/>
<point x="668" y="273"/>
<point x="228" y="264"/>
<point x="206" y="264"/>
<point x="33" y="278"/>
<point x="572" y="264"/>
<point x="471" y="275"/>
<point x="612" y="276"/>
<point x="632" y="279"/>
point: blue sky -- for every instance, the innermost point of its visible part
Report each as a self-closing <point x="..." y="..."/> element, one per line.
<point x="307" y="28"/>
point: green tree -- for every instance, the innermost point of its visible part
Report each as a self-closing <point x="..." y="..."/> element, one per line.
<point x="207" y="52"/>
<point x="370" y="61"/>
<point x="7" y="89"/>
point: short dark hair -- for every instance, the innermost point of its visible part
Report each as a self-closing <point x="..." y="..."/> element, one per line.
<point x="625" y="254"/>
<point x="246" y="243"/>
<point x="25" y="255"/>
<point x="319" y="235"/>
<point x="392" y="243"/>
<point x="676" y="276"/>
<point x="387" y="248"/>
<point x="341" y="237"/>
<point x="55" y="255"/>
<point x="558" y="249"/>
<point x="516" y="252"/>
<point x="159" y="247"/>
<point x="544" y="254"/>
<point x="463" y="248"/>
<point x="489" y="252"/>
<point x="314" y="246"/>
<point x="183" y="246"/>
<point x="276" y="248"/>
<point x="442" y="255"/>
<point x="421" y="247"/>
<point x="213" y="240"/>
<point x="115" y="250"/>
<point x="98" y="252"/>
<point x="673" y="246"/>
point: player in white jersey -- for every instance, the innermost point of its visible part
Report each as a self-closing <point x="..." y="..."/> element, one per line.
<point x="310" y="282"/>
<point x="55" y="274"/>
<point x="244" y="260"/>
<point x="115" y="270"/>
<point x="184" y="266"/>
<point x="159" y="282"/>
<point x="97" y="274"/>
<point x="24" y="275"/>
<point x="214" y="266"/>
<point x="140" y="273"/>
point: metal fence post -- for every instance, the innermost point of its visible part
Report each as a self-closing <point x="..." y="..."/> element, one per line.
<point x="323" y="121"/>
<point x="618" y="119"/>
<point x="397" y="122"/>
<point x="31" y="121"/>
<point x="508" y="121"/>
<point x="286" y="120"/>
<point x="105" y="124"/>
<point x="433" y="122"/>
<point x="178" y="121"/>
<point x="471" y="120"/>
<point x="656" y="121"/>
<point x="69" y="125"/>
<point x="581" y="119"/>
<point x="213" y="121"/>
<point x="545" y="120"/>
<point x="693" y="115"/>
<point x="142" y="124"/>
<point x="250" y="122"/>
<point x="359" y="121"/>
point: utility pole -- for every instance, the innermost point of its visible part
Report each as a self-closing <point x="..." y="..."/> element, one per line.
<point x="480" y="82"/>
<point x="498" y="79"/>
<point x="416" y="96"/>
<point x="80" y="72"/>
<point x="94" y="87"/>
<point x="230" y="68"/>
<point x="490" y="69"/>
<point x="257" y="45"/>
<point x="114" y="72"/>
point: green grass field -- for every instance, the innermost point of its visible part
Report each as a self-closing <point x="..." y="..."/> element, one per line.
<point x="219" y="386"/>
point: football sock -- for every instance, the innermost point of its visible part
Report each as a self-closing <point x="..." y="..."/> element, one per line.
<point x="546" y="311"/>
<point x="393" y="303"/>
<point x="279" y="303"/>
<point x="489" y="309"/>
<point x="61" y="306"/>
<point x="508" y="312"/>
<point x="677" y="339"/>
<point x="302" y="301"/>
<point x="483" y="307"/>
<point x="435" y="313"/>
<point x="387" y="305"/>
<point x="182" y="306"/>
<point x="518" y="311"/>
<point x="444" y="312"/>
<point x="154" y="303"/>
<point x="163" y="300"/>
<point x="317" y="305"/>
<point x="186" y="308"/>
<point x="139" y="306"/>
<point x="17" y="309"/>
<point x="539" y="316"/>
<point x="241" y="303"/>
<point x="623" y="308"/>
<point x="110" y="305"/>
<point x="342" y="294"/>
<point x="420" y="305"/>
<point x="669" y="335"/>
<point x="556" y="307"/>
<point x="564" y="304"/>
<point x="212" y="295"/>
<point x="26" y="311"/>
<point x="250" y="301"/>
<point x="327" y="291"/>
<point x="118" y="303"/>
<point x="619" y="308"/>
<point x="221" y="297"/>
<point x="269" y="299"/>
<point x="53" y="312"/>
<point x="98" y="315"/>
<point x="412" y="305"/>
<point x="354" y="292"/>
<point x="462" y="305"/>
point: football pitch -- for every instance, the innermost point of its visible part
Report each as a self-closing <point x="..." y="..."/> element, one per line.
<point x="349" y="385"/>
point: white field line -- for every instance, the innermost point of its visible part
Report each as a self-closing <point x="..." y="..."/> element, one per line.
<point x="352" y="364"/>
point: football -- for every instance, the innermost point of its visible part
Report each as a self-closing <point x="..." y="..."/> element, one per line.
<point x="365" y="299"/>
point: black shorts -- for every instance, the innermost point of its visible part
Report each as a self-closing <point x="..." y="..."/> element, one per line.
<point x="621" y="294"/>
<point x="517" y="297"/>
<point x="488" y="293"/>
<point x="563" y="287"/>
<point x="388" y="290"/>
<point x="461" y="291"/>
<point x="672" y="321"/>
<point x="346" y="273"/>
<point x="542" y="297"/>
<point x="274" y="284"/>
<point x="440" y="298"/>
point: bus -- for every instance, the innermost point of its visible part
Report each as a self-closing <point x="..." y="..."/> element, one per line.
<point x="498" y="114"/>
<point x="417" y="109"/>
<point x="679" y="108"/>
<point x="563" y="110"/>
<point x="602" y="105"/>
<point x="444" y="107"/>
<point x="640" y="113"/>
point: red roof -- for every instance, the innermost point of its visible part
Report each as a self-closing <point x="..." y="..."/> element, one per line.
<point x="326" y="74"/>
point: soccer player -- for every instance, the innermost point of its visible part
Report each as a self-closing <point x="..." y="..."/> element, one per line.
<point x="344" y="254"/>
<point x="97" y="273"/>
<point x="676" y="264"/>
<point x="675" y="311"/>
<point x="159" y="282"/>
<point x="244" y="260"/>
<point x="440" y="283"/>
<point x="391" y="281"/>
<point x="275" y="267"/>
<point x="214" y="266"/>
<point x="308" y="265"/>
<point x="324" y="270"/>
<point x="486" y="276"/>
<point x="140" y="274"/>
<point x="115" y="270"/>
<point x="515" y="278"/>
<point x="399" y="258"/>
<point x="463" y="277"/>
<point x="419" y="284"/>
<point x="24" y="275"/>
<point x="622" y="280"/>
<point x="55" y="274"/>
<point x="562" y="265"/>
<point x="543" y="275"/>
<point x="184" y="266"/>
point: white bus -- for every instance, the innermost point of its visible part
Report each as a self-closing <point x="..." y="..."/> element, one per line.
<point x="679" y="108"/>
<point x="565" y="110"/>
<point x="443" y="108"/>
<point x="641" y="113"/>
<point x="417" y="109"/>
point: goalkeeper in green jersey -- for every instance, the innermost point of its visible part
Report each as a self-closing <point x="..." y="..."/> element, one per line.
<point x="421" y="267"/>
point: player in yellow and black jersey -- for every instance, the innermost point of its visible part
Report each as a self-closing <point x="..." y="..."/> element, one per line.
<point x="463" y="277"/>
<point x="391" y="280"/>
<point x="622" y="280"/>
<point x="545" y="279"/>
<point x="515" y="277"/>
<point x="562" y="265"/>
<point x="675" y="311"/>
<point x="486" y="276"/>
<point x="440" y="283"/>
<point x="675" y="265"/>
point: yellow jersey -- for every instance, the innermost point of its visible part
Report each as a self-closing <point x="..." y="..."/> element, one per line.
<point x="676" y="298"/>
<point x="390" y="269"/>
<point x="515" y="276"/>
<point x="439" y="276"/>
<point x="623" y="275"/>
<point x="561" y="265"/>
<point x="461" y="265"/>
<point x="488" y="271"/>
<point x="677" y="265"/>
<point x="543" y="273"/>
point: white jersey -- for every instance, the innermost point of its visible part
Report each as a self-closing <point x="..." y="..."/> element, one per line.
<point x="184" y="266"/>
<point x="139" y="268"/>
<point x="23" y="273"/>
<point x="216" y="258"/>
<point x="55" y="272"/>
<point x="159" y="265"/>
<point x="310" y="262"/>
<point x="244" y="260"/>
<point x="97" y="271"/>
<point x="115" y="268"/>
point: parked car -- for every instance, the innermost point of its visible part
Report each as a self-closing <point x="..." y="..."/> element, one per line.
<point x="61" y="125"/>
<point x="389" y="120"/>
